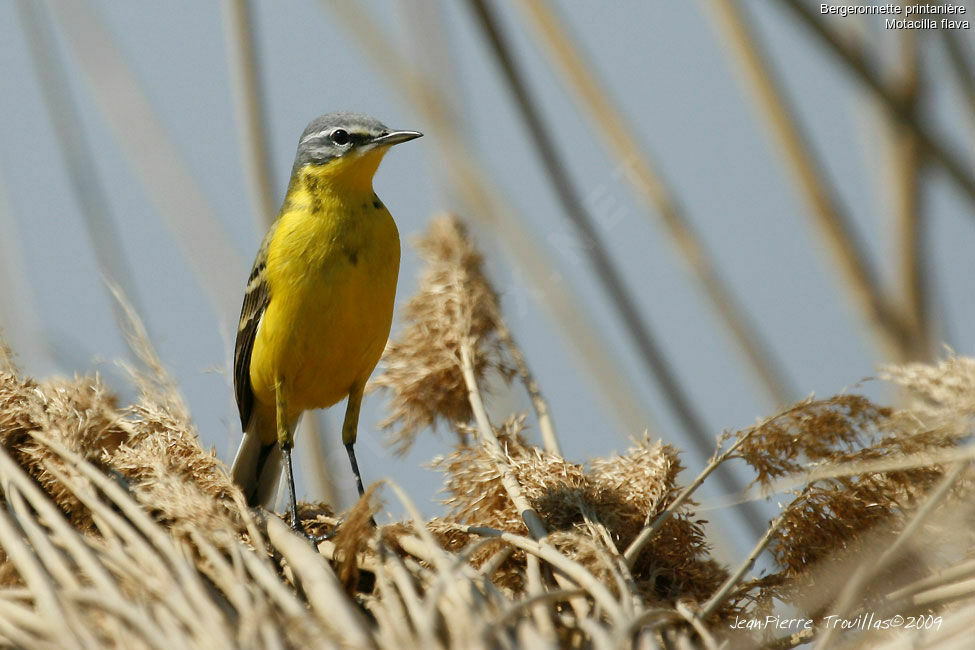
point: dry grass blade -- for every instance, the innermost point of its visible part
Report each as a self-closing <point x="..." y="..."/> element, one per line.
<point x="37" y="581"/>
<point x="21" y="626"/>
<point x="322" y="588"/>
<point x="957" y="573"/>
<point x="37" y="537"/>
<point x="419" y="623"/>
<point x="574" y="571"/>
<point x="531" y="602"/>
<point x="536" y="589"/>
<point x="420" y="526"/>
<point x="858" y="582"/>
<point x="137" y="517"/>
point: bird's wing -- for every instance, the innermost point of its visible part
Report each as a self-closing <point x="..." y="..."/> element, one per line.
<point x="256" y="299"/>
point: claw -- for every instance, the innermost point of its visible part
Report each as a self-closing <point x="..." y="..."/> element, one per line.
<point x="318" y="539"/>
<point x="315" y="540"/>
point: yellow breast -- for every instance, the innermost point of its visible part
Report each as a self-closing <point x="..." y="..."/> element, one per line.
<point x="332" y="267"/>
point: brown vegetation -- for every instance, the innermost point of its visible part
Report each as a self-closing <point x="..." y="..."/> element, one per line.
<point x="120" y="530"/>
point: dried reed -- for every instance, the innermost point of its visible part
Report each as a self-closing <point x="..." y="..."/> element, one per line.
<point x="120" y="530"/>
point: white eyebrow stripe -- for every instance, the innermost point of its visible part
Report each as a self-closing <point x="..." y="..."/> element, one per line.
<point x="312" y="136"/>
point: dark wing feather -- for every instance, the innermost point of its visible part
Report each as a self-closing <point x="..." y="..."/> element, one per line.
<point x="256" y="300"/>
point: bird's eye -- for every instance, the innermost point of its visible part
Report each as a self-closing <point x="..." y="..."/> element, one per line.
<point x="340" y="136"/>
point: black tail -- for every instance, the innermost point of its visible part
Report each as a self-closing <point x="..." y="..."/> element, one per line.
<point x="257" y="470"/>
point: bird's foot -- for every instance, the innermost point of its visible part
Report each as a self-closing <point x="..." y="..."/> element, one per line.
<point x="318" y="539"/>
<point x="298" y="527"/>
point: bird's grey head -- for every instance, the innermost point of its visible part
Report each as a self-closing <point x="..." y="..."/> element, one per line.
<point x="335" y="135"/>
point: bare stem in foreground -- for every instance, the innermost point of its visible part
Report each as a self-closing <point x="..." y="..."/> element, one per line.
<point x="854" y="588"/>
<point x="637" y="545"/>
<point x="717" y="600"/>
<point x="493" y="445"/>
<point x="545" y="426"/>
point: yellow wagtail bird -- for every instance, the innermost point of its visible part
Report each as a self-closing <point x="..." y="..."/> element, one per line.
<point x="319" y="300"/>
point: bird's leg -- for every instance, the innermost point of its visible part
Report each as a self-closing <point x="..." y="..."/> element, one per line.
<point x="349" y="447"/>
<point x="286" y="442"/>
<point x="296" y="525"/>
<point x="292" y="501"/>
<point x="349" y="428"/>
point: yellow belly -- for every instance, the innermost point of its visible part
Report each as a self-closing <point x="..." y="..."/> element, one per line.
<point x="332" y="280"/>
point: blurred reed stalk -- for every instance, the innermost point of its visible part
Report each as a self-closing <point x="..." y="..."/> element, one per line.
<point x="931" y="590"/>
<point x="853" y="59"/>
<point x="660" y="199"/>
<point x="906" y="170"/>
<point x="245" y="72"/>
<point x="600" y="259"/>
<point x="860" y="279"/>
<point x="470" y="183"/>
<point x="963" y="68"/>
<point x="169" y="185"/>
<point x="78" y="161"/>
<point x="423" y="18"/>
